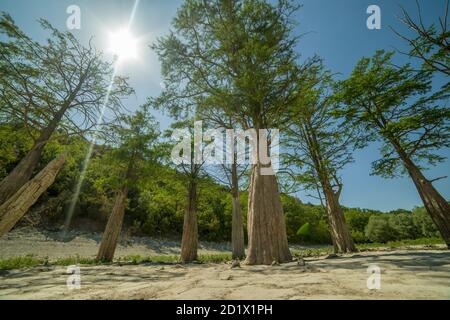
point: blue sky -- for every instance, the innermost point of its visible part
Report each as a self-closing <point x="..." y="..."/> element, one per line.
<point x="336" y="30"/>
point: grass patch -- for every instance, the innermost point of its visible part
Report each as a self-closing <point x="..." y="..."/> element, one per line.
<point x="75" y="260"/>
<point x="26" y="261"/>
<point x="429" y="242"/>
<point x="29" y="260"/>
<point x="434" y="242"/>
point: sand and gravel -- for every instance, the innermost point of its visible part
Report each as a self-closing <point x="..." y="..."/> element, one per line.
<point x="405" y="274"/>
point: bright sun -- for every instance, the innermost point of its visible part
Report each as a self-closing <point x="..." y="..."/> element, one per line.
<point x="123" y="45"/>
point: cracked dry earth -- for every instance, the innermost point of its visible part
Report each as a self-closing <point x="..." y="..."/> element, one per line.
<point x="419" y="274"/>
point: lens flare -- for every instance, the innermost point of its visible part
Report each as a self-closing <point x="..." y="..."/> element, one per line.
<point x="124" y="46"/>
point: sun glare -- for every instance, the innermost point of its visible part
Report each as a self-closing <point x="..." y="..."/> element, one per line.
<point x="123" y="45"/>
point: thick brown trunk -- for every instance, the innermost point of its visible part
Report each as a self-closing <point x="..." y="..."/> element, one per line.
<point x="237" y="227"/>
<point x="19" y="203"/>
<point x="189" y="241"/>
<point x="340" y="234"/>
<point x="24" y="170"/>
<point x="436" y="206"/>
<point x="113" y="227"/>
<point x="267" y="240"/>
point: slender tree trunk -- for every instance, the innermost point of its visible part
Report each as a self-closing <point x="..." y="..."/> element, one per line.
<point x="113" y="227"/>
<point x="435" y="204"/>
<point x="340" y="234"/>
<point x="267" y="240"/>
<point x="17" y="205"/>
<point x="189" y="242"/>
<point x="237" y="227"/>
<point x="24" y="170"/>
<point x="342" y="239"/>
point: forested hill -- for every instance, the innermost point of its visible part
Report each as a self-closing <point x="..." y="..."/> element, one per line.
<point x="157" y="201"/>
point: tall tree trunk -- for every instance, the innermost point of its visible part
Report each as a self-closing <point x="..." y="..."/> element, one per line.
<point x="340" y="234"/>
<point x="113" y="227"/>
<point x="342" y="239"/>
<point x="267" y="240"/>
<point x="24" y="170"/>
<point x="17" y="205"/>
<point x="189" y="241"/>
<point x="237" y="227"/>
<point x="435" y="204"/>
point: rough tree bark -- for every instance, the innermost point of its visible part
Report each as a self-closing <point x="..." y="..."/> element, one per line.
<point x="189" y="241"/>
<point x="340" y="234"/>
<point x="267" y="240"/>
<point x="24" y="170"/>
<point x="435" y="204"/>
<point x="17" y="205"/>
<point x="113" y="227"/>
<point x="237" y="227"/>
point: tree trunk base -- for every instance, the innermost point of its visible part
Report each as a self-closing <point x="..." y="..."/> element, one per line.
<point x="342" y="239"/>
<point x="113" y="228"/>
<point x="267" y="240"/>
<point x="189" y="242"/>
<point x="237" y="231"/>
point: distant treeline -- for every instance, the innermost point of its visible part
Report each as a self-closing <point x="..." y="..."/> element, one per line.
<point x="156" y="205"/>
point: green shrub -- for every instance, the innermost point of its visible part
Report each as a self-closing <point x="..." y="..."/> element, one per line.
<point x="404" y="226"/>
<point x="304" y="231"/>
<point x="378" y="229"/>
<point x="423" y="223"/>
<point x="359" y="236"/>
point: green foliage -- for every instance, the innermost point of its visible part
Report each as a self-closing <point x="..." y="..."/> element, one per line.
<point x="429" y="43"/>
<point x="26" y="261"/>
<point x="404" y="226"/>
<point x="304" y="232"/>
<point x="423" y="223"/>
<point x="400" y="225"/>
<point x="14" y="144"/>
<point x="379" y="229"/>
<point x="357" y="221"/>
<point x="157" y="202"/>
<point x="57" y="83"/>
<point x="298" y="214"/>
<point x="74" y="260"/>
<point x="228" y="60"/>
<point x="237" y="57"/>
<point x="317" y="145"/>
<point x="394" y="105"/>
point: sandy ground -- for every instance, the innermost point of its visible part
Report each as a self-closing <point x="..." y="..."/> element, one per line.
<point x="405" y="274"/>
<point x="55" y="245"/>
